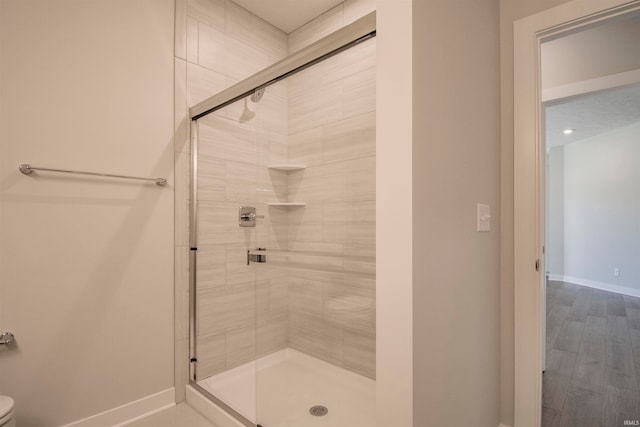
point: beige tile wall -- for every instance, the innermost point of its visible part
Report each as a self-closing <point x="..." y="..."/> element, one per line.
<point x="341" y="15"/>
<point x="332" y="239"/>
<point x="231" y="293"/>
<point x="324" y="118"/>
<point x="217" y="44"/>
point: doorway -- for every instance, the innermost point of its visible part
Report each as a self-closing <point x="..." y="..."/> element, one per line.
<point x="530" y="170"/>
<point x="592" y="243"/>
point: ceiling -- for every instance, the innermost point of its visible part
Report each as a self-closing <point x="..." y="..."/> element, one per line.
<point x="288" y="14"/>
<point x="592" y="114"/>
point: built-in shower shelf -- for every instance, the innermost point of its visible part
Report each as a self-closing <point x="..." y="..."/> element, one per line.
<point x="292" y="204"/>
<point x="287" y="167"/>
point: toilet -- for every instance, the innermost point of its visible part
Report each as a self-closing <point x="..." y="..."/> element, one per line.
<point x="6" y="412"/>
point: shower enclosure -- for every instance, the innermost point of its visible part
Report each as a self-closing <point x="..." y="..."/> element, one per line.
<point x="282" y="239"/>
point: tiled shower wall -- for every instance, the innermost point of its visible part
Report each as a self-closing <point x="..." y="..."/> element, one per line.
<point x="231" y="293"/>
<point x="332" y="239"/>
<point x="218" y="44"/>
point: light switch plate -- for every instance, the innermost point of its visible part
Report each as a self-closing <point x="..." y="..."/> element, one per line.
<point x="484" y="217"/>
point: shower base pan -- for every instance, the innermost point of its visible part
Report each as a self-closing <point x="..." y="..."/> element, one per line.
<point x="287" y="384"/>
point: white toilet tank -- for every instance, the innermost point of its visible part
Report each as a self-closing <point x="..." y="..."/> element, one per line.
<point x="6" y="412"/>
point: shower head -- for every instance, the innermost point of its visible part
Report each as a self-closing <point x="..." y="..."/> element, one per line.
<point x="246" y="113"/>
<point x="258" y="94"/>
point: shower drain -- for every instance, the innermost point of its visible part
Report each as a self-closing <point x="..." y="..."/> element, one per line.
<point x="318" y="410"/>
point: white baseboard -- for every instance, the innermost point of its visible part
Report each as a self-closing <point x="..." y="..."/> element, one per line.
<point x="130" y="412"/>
<point x="210" y="410"/>
<point x="596" y="285"/>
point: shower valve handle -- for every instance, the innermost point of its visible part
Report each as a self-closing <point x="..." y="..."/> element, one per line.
<point x="250" y="216"/>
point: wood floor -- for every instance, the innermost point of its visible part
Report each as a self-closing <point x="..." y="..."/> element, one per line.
<point x="592" y="375"/>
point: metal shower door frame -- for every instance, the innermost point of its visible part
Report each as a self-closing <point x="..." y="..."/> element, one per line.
<point x="343" y="39"/>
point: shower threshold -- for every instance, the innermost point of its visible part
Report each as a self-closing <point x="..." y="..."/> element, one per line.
<point x="279" y="390"/>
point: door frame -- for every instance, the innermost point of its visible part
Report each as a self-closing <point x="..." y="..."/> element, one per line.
<point x="529" y="164"/>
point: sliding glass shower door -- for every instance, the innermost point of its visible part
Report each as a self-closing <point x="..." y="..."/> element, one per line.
<point x="317" y="179"/>
<point x="226" y="285"/>
<point x="285" y="277"/>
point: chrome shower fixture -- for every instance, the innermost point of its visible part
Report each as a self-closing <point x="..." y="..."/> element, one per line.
<point x="246" y="113"/>
<point x="258" y="94"/>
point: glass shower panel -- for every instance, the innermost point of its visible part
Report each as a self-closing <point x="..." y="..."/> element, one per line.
<point x="272" y="233"/>
<point x="227" y="173"/>
<point x="285" y="276"/>
<point x="315" y="295"/>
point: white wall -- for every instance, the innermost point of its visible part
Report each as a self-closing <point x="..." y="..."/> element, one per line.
<point x="588" y="54"/>
<point x="456" y="300"/>
<point x="601" y="210"/>
<point x="85" y="264"/>
<point x="394" y="224"/>
<point x="554" y="249"/>
<point x="438" y="312"/>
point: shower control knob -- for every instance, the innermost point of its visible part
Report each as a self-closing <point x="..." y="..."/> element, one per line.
<point x="247" y="216"/>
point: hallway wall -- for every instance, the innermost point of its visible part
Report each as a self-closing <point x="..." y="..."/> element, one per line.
<point x="598" y="208"/>
<point x="554" y="249"/>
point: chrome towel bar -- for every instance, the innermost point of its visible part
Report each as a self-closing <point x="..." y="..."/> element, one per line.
<point x="27" y="169"/>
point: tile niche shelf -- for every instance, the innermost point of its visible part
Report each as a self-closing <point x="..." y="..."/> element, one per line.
<point x="287" y="167"/>
<point x="287" y="204"/>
